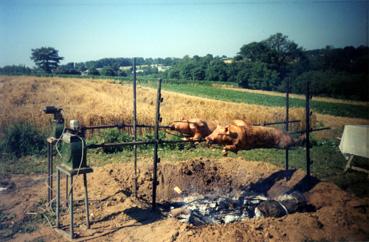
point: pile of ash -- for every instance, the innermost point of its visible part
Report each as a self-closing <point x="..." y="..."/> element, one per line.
<point x="199" y="209"/>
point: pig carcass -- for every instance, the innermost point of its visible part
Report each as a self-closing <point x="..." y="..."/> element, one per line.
<point x="193" y="129"/>
<point x="240" y="135"/>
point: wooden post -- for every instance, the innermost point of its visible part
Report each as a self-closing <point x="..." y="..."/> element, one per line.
<point x="134" y="128"/>
<point x="156" y="144"/>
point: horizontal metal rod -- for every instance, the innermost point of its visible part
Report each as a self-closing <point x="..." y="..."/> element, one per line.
<point x="311" y="130"/>
<point x="94" y="146"/>
<point x="153" y="126"/>
<point x="180" y="141"/>
<point x="277" y="122"/>
<point x="108" y="126"/>
<point x="148" y="142"/>
<point x="121" y="126"/>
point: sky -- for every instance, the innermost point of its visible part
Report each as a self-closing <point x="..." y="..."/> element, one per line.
<point x="88" y="30"/>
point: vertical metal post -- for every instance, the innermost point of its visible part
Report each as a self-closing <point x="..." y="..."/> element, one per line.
<point x="71" y="213"/>
<point x="57" y="198"/>
<point x="307" y="126"/>
<point x="66" y="190"/>
<point x="156" y="144"/>
<point x="86" y="200"/>
<point x="134" y="128"/>
<point x="287" y="118"/>
<point x="49" y="172"/>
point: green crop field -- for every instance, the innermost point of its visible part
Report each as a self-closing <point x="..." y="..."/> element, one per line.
<point x="208" y="91"/>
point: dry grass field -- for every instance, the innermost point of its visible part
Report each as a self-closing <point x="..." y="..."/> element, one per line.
<point x="104" y="102"/>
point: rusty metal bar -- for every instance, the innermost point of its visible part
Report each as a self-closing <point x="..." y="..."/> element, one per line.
<point x="94" y="146"/>
<point x="279" y="122"/>
<point x="148" y="142"/>
<point x="153" y="126"/>
<point x="180" y="141"/>
<point x="156" y="144"/>
<point x="311" y="130"/>
<point x="106" y="126"/>
<point x="122" y="126"/>
<point x="134" y="128"/>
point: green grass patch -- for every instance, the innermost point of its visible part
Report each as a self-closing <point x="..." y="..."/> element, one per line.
<point x="22" y="138"/>
<point x="31" y="164"/>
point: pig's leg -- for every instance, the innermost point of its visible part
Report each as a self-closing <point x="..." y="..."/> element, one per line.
<point x="288" y="141"/>
<point x="285" y="141"/>
<point x="224" y="152"/>
<point x="197" y="136"/>
<point x="227" y="148"/>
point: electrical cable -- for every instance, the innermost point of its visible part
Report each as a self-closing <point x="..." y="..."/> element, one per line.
<point x="57" y="142"/>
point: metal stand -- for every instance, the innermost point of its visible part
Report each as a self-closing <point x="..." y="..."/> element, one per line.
<point x="50" y="147"/>
<point x="135" y="186"/>
<point x="307" y="130"/>
<point x="69" y="174"/>
<point x="156" y="159"/>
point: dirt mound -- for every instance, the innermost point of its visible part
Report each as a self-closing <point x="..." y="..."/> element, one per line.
<point x="196" y="176"/>
<point x="193" y="176"/>
<point x="117" y="216"/>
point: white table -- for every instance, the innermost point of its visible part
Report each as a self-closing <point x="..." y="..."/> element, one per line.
<point x="355" y="142"/>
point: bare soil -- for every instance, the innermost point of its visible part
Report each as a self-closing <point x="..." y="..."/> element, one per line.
<point x="117" y="215"/>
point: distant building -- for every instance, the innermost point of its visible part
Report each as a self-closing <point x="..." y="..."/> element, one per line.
<point x="228" y="61"/>
<point x="141" y="68"/>
<point x="162" y="68"/>
<point x="125" y="68"/>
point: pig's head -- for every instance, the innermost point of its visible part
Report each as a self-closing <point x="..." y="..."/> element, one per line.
<point x="180" y="126"/>
<point x="221" y="135"/>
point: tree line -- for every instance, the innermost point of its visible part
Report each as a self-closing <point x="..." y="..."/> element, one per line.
<point x="266" y="65"/>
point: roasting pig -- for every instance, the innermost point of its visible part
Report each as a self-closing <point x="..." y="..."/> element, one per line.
<point x="243" y="136"/>
<point x="193" y="129"/>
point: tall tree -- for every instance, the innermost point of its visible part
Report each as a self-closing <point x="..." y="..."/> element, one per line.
<point x="283" y="52"/>
<point x="46" y="58"/>
<point x="255" y="51"/>
<point x="278" y="52"/>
